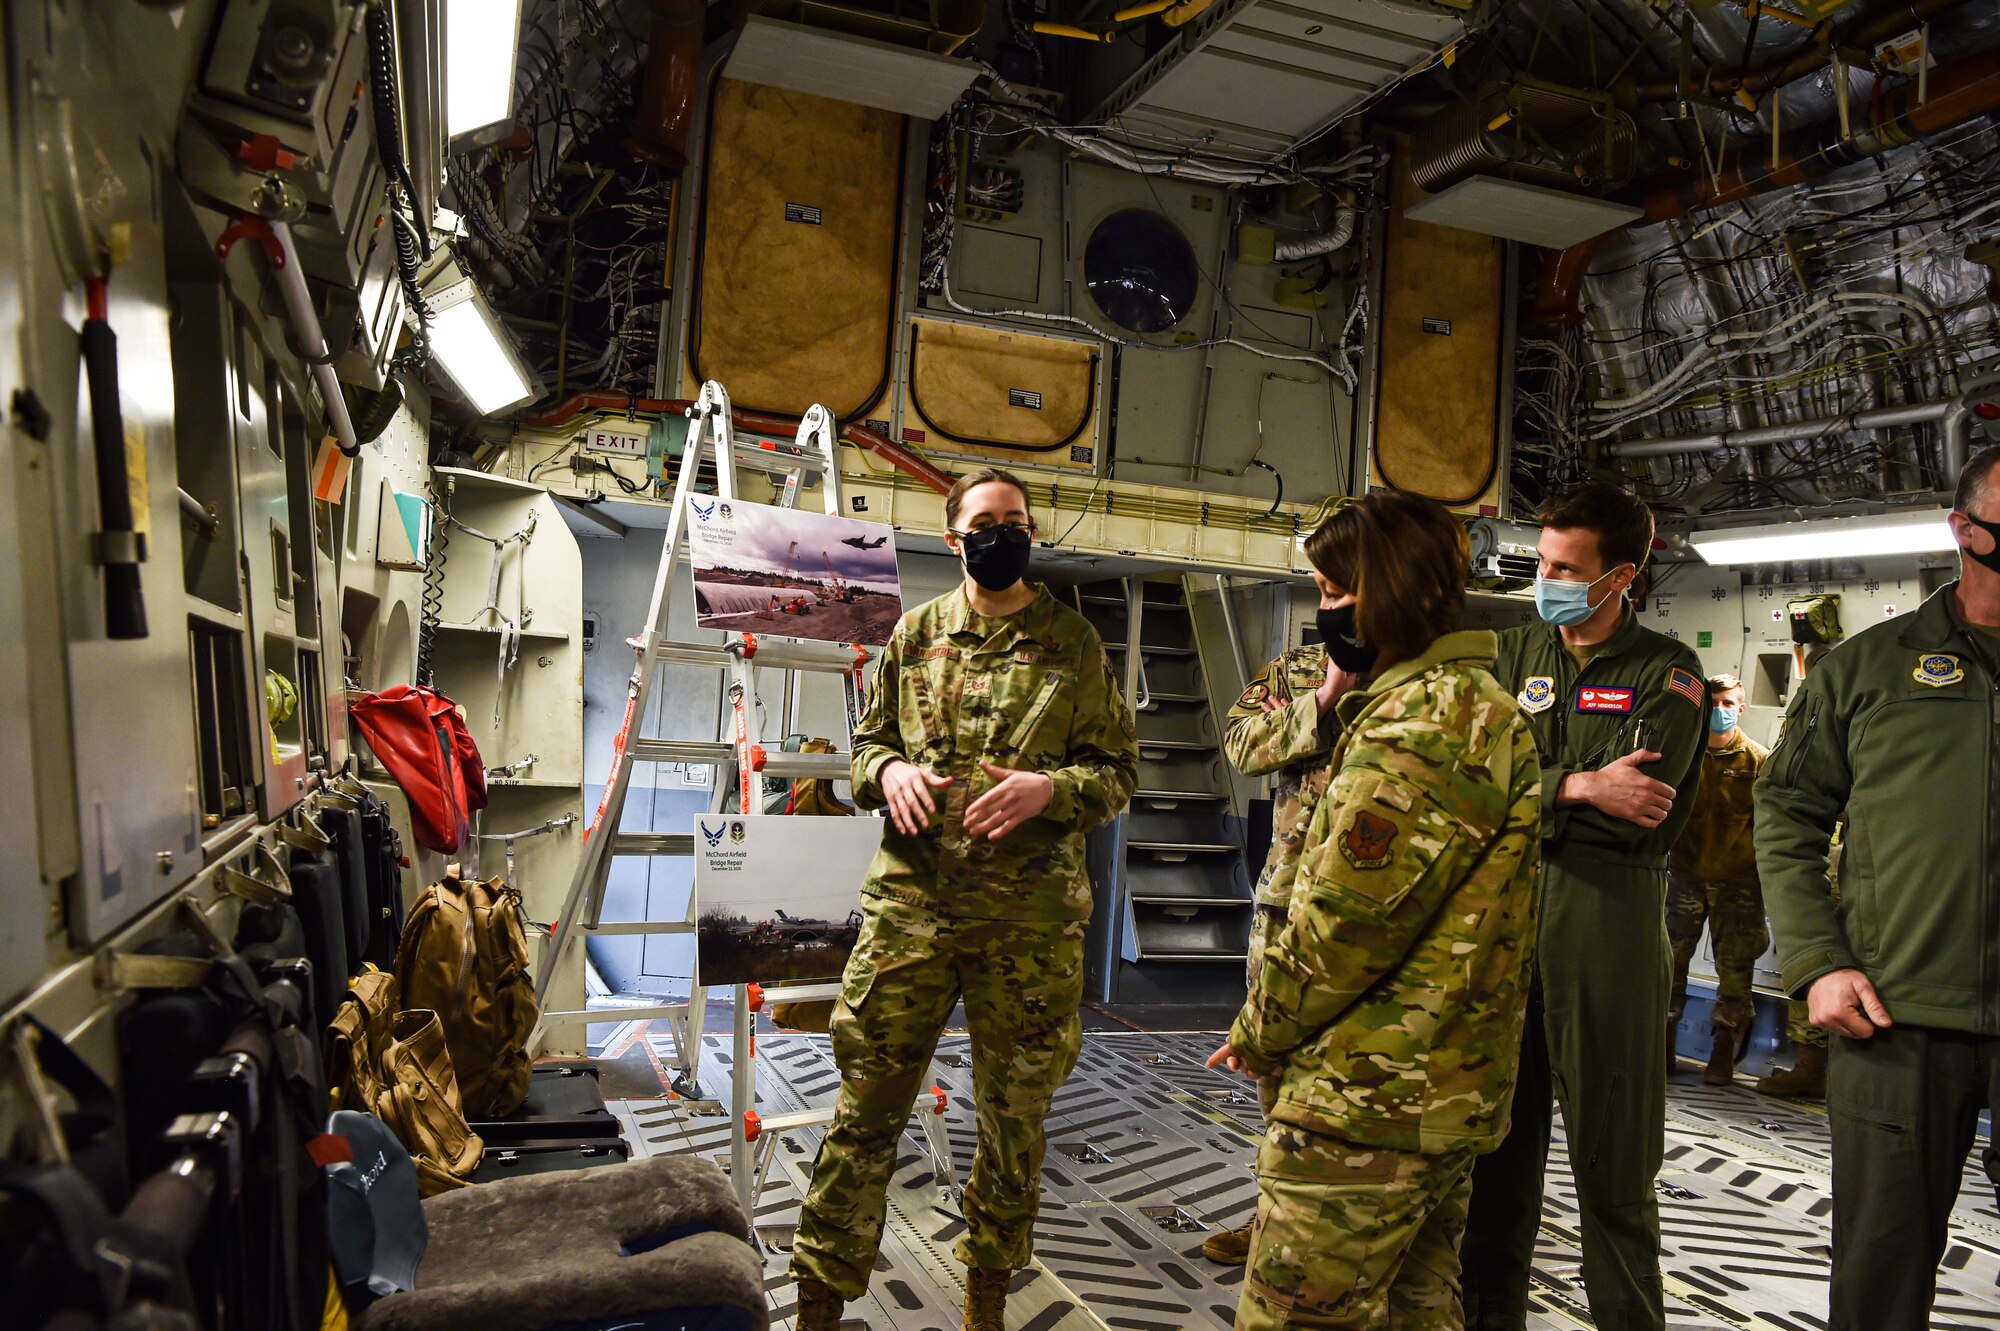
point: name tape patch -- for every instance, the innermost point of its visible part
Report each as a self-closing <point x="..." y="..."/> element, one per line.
<point x="1599" y="698"/>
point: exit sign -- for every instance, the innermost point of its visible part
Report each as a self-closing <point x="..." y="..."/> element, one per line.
<point x="1704" y="638"/>
<point x="624" y="443"/>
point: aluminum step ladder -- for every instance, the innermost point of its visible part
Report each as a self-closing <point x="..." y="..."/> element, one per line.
<point x="741" y="765"/>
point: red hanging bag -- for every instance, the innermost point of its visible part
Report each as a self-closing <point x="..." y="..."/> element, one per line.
<point x="419" y="736"/>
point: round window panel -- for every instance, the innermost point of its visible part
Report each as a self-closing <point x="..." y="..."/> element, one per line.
<point x="1141" y="271"/>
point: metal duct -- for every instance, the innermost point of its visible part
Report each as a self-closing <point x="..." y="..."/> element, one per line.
<point x="667" y="85"/>
<point x="1876" y="24"/>
<point x="1326" y="242"/>
<point x="1527" y="131"/>
<point x="1955" y="94"/>
<point x="1954" y="414"/>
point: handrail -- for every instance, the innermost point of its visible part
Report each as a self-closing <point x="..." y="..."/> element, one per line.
<point x="568" y="410"/>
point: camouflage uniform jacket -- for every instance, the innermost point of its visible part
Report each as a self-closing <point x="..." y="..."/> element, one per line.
<point x="1716" y="846"/>
<point x="1032" y="691"/>
<point x="1394" y="997"/>
<point x="1295" y="741"/>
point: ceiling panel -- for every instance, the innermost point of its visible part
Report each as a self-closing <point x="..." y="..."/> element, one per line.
<point x="1254" y="77"/>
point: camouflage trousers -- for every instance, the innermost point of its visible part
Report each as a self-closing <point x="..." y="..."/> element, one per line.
<point x="1022" y="983"/>
<point x="1734" y="912"/>
<point x="1352" y="1237"/>
<point x="1798" y="1025"/>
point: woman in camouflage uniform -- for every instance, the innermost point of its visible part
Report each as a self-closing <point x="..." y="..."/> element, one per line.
<point x="1284" y="724"/>
<point x="1385" y="1026"/>
<point x="996" y="737"/>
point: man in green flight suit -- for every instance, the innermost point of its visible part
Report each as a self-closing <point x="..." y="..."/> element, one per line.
<point x="996" y="737"/>
<point x="1285" y="724"/>
<point x="1620" y="715"/>
<point x="1898" y="727"/>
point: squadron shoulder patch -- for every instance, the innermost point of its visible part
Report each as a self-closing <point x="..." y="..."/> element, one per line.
<point x="1254" y="695"/>
<point x="1370" y="839"/>
<point x="1537" y="695"/>
<point x="1938" y="669"/>
<point x="1683" y="684"/>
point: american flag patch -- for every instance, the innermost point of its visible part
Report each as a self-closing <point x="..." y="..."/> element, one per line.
<point x="1687" y="686"/>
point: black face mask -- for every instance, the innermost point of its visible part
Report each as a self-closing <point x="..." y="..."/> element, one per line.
<point x="996" y="557"/>
<point x="1343" y="641"/>
<point x="1992" y="559"/>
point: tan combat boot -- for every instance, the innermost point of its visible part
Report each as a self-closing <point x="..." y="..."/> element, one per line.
<point x="985" y="1299"/>
<point x="1805" y="1081"/>
<point x="1721" y="1069"/>
<point x="819" y="1306"/>
<point x="1231" y="1247"/>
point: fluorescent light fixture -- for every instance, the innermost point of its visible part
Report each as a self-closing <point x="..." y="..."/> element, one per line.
<point x="475" y="354"/>
<point x="480" y="39"/>
<point x="1925" y="531"/>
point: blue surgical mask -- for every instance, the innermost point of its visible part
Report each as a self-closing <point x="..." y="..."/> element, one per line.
<point x="1565" y="604"/>
<point x="1722" y="720"/>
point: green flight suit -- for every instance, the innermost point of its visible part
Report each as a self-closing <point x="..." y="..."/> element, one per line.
<point x="1899" y="727"/>
<point x="1596" y="1035"/>
<point x="947" y="917"/>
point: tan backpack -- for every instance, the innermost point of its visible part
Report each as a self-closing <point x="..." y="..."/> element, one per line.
<point x="464" y="955"/>
<point x="396" y="1067"/>
<point x="420" y="1102"/>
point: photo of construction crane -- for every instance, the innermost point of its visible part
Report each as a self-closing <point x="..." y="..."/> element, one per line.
<point x="763" y="569"/>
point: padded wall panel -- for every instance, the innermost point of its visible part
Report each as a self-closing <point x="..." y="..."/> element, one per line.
<point x="1437" y="420"/>
<point x="795" y="278"/>
<point x="1009" y="394"/>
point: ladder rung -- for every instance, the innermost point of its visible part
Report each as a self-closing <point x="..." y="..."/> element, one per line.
<point x="605" y="1015"/>
<point x="771" y="1124"/>
<point x="639" y="927"/>
<point x="681" y="751"/>
<point x="653" y="843"/>
<point x="826" y="766"/>
<point x="777" y="763"/>
<point x="800" y="993"/>
<point x="830" y="658"/>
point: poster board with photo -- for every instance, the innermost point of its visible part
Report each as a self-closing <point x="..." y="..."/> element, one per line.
<point x="777" y="896"/>
<point x="758" y="568"/>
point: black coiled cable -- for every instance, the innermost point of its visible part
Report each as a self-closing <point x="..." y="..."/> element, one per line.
<point x="411" y="248"/>
<point x="430" y="608"/>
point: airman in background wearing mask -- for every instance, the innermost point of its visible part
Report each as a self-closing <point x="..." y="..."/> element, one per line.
<point x="1713" y="879"/>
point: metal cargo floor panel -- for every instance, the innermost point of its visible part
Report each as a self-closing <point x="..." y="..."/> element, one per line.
<point x="1256" y="76"/>
<point x="1149" y="1151"/>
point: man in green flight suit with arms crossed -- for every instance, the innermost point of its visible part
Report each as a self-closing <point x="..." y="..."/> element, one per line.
<point x="1898" y="727"/>
<point x="1620" y="715"/>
